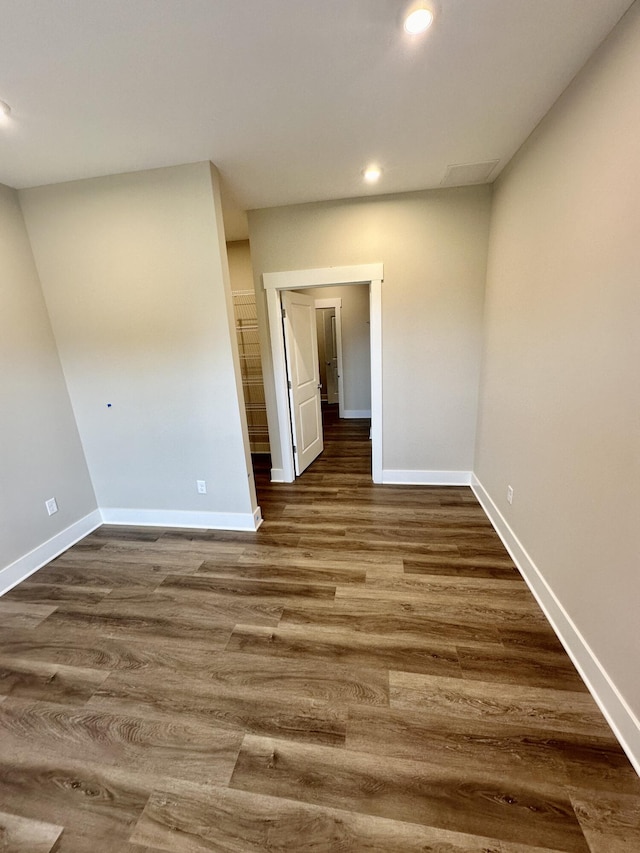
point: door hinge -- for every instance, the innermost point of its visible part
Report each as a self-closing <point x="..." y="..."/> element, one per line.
<point x="295" y="449"/>
<point x="289" y="384"/>
<point x="284" y="313"/>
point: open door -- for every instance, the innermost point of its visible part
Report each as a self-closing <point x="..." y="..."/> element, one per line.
<point x="303" y="374"/>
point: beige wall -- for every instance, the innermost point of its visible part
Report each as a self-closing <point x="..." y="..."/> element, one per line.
<point x="433" y="246"/>
<point x="135" y="276"/>
<point x="240" y="268"/>
<point x="560" y="400"/>
<point x="356" y="351"/>
<point x="40" y="452"/>
<point x="241" y="272"/>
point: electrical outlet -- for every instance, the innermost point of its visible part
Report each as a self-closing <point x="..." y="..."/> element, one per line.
<point x="510" y="494"/>
<point x="51" y="505"/>
<point x="202" y="487"/>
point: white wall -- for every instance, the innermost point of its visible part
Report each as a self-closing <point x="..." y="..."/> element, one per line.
<point x="560" y="397"/>
<point x="40" y="451"/>
<point x="356" y="350"/>
<point x="135" y="277"/>
<point x="433" y="246"/>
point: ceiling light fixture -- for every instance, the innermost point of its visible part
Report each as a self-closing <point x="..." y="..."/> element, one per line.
<point x="418" y="19"/>
<point x="5" y="110"/>
<point x="372" y="174"/>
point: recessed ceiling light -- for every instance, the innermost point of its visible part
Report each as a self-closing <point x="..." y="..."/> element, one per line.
<point x="418" y="20"/>
<point x="5" y="109"/>
<point x="372" y="174"/>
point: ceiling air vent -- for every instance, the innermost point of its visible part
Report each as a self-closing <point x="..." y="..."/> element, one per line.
<point x="469" y="173"/>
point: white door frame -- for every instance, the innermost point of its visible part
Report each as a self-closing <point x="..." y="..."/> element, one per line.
<point x="336" y="304"/>
<point x="273" y="282"/>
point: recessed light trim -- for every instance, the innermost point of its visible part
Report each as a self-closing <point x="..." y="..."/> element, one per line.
<point x="372" y="174"/>
<point x="5" y="110"/>
<point x="418" y="20"/>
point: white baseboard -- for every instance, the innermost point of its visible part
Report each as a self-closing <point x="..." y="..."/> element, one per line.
<point x="426" y="478"/>
<point x="180" y="518"/>
<point x="21" y="568"/>
<point x="356" y="413"/>
<point x="24" y="566"/>
<point x="617" y="712"/>
<point x="277" y="475"/>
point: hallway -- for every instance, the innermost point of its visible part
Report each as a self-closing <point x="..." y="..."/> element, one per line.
<point x="347" y="450"/>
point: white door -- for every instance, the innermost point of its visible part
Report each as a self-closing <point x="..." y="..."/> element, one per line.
<point x="301" y="345"/>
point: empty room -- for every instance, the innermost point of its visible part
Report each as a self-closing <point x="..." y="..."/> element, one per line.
<point x="319" y="426"/>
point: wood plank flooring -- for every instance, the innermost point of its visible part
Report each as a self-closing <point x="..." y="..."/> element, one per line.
<point x="367" y="672"/>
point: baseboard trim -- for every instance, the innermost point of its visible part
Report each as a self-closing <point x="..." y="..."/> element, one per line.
<point x="617" y="712"/>
<point x="277" y="475"/>
<point x="356" y="413"/>
<point x="21" y="568"/>
<point x="426" y="478"/>
<point x="180" y="518"/>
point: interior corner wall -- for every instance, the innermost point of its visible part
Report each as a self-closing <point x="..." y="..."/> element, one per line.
<point x="134" y="273"/>
<point x="560" y="394"/>
<point x="433" y="246"/>
<point x="240" y="268"/>
<point x="356" y="348"/>
<point x="40" y="452"/>
<point x="222" y="275"/>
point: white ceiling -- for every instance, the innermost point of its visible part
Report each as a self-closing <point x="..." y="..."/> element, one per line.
<point x="290" y="98"/>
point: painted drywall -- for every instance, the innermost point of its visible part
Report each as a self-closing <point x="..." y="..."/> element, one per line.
<point x="433" y="246"/>
<point x="40" y="452"/>
<point x="134" y="273"/>
<point x="356" y="352"/>
<point x="560" y="393"/>
<point x="240" y="268"/>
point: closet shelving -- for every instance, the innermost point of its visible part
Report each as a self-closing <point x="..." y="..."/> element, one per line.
<point x="246" y="320"/>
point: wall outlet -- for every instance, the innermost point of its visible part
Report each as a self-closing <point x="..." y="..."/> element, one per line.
<point x="51" y="505"/>
<point x="510" y="494"/>
<point x="201" y="486"/>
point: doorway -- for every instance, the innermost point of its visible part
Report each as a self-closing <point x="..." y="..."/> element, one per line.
<point x="330" y="375"/>
<point x="274" y="283"/>
<point x="340" y="342"/>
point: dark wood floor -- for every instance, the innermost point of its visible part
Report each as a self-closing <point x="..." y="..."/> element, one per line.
<point x="368" y="672"/>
